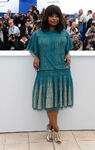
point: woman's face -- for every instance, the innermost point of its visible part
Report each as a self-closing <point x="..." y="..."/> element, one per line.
<point x="53" y="20"/>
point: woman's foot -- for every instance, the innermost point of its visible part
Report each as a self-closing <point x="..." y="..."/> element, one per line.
<point x="57" y="137"/>
<point x="49" y="133"/>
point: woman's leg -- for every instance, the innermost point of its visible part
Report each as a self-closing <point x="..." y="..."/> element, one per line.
<point x="52" y="115"/>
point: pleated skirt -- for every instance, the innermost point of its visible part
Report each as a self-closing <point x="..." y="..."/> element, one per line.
<point x="52" y="90"/>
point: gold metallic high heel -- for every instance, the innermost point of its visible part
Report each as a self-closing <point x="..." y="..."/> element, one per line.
<point x="57" y="137"/>
<point x="49" y="134"/>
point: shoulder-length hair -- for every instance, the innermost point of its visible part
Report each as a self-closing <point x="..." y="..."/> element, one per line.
<point x="50" y="10"/>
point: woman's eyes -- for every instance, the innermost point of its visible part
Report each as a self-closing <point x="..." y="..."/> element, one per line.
<point x="55" y="16"/>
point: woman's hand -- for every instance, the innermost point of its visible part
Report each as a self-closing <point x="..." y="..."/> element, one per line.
<point x="36" y="63"/>
<point x="67" y="58"/>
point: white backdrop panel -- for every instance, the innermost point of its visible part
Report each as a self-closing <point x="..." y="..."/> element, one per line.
<point x="13" y="5"/>
<point x="16" y="82"/>
<point x="67" y="6"/>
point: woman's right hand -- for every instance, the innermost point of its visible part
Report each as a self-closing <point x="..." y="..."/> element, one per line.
<point x="36" y="63"/>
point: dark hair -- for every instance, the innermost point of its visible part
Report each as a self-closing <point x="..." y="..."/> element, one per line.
<point x="50" y="10"/>
<point x="67" y="15"/>
<point x="93" y="23"/>
<point x="42" y="13"/>
<point x="90" y="11"/>
<point x="28" y="11"/>
<point x="27" y="21"/>
<point x="24" y="35"/>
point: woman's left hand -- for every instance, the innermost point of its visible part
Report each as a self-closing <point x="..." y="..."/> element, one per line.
<point x="68" y="60"/>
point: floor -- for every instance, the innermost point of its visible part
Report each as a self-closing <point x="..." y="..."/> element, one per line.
<point x="71" y="140"/>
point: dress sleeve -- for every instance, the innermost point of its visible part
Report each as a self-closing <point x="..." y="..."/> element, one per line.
<point x="69" y="45"/>
<point x="33" y="45"/>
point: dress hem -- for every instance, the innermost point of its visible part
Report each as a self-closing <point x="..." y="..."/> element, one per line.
<point x="59" y="108"/>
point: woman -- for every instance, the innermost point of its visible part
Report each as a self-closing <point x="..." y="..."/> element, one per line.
<point x="53" y="87"/>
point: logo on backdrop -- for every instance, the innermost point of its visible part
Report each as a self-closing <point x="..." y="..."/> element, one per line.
<point x="13" y="5"/>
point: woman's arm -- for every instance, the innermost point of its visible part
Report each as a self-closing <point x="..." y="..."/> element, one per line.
<point x="67" y="58"/>
<point x="36" y="62"/>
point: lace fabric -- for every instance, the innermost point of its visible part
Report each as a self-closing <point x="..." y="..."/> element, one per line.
<point x="53" y="87"/>
<point x="51" y="47"/>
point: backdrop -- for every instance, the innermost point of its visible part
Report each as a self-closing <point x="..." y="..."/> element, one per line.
<point x="66" y="6"/>
<point x="16" y="6"/>
<point x="24" y="5"/>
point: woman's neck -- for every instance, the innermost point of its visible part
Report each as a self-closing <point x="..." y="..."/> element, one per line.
<point x="52" y="28"/>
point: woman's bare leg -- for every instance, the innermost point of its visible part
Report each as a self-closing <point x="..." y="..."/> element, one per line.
<point x="52" y="115"/>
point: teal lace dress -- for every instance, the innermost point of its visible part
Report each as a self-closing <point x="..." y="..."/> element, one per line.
<point x="53" y="87"/>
